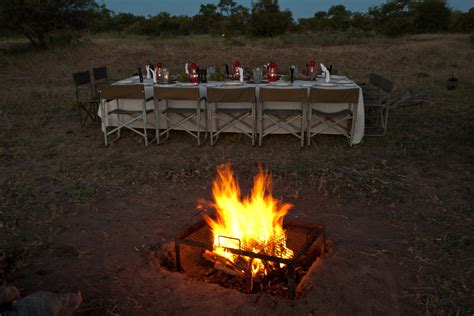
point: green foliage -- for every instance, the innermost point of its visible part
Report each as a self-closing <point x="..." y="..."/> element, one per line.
<point x="46" y="22"/>
<point x="393" y="18"/>
<point x="361" y="21"/>
<point x="338" y="17"/>
<point x="162" y="24"/>
<point x="268" y="20"/>
<point x="182" y="77"/>
<point x="40" y="20"/>
<point x="217" y="76"/>
<point x="431" y="16"/>
<point x="462" y="22"/>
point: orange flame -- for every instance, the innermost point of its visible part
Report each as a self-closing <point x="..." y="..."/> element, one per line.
<point x="252" y="223"/>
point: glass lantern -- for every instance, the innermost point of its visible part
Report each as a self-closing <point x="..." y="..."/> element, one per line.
<point x="165" y="75"/>
<point x="272" y="74"/>
<point x="311" y="70"/>
<point x="159" y="71"/>
<point x="235" y="70"/>
<point x="193" y="73"/>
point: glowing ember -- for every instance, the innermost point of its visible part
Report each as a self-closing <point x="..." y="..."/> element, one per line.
<point x="252" y="223"/>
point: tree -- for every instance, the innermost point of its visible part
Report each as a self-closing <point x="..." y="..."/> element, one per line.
<point x="462" y="21"/>
<point x="268" y="20"/>
<point x="339" y="17"/>
<point x="208" y="20"/>
<point x="361" y="22"/>
<point x="430" y="16"/>
<point x="39" y="19"/>
<point x="392" y="18"/>
<point x="237" y="21"/>
<point x="226" y="6"/>
<point x="122" y="21"/>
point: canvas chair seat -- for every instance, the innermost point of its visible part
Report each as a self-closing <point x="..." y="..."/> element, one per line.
<point x="281" y="118"/>
<point x="125" y="118"/>
<point x="342" y="113"/>
<point x="341" y="121"/>
<point x="234" y="110"/>
<point x="180" y="117"/>
<point x="240" y="118"/>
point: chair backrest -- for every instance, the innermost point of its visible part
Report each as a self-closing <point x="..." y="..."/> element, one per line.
<point x="381" y="82"/>
<point x="283" y="95"/>
<point x="82" y="78"/>
<point x="100" y="73"/>
<point x="231" y="95"/>
<point x="317" y="95"/>
<point x="136" y="91"/>
<point x="168" y="93"/>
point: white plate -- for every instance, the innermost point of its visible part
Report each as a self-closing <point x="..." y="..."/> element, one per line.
<point x="344" y="81"/>
<point x="185" y="84"/>
<point x="338" y="77"/>
<point x="232" y="84"/>
<point x="325" y="84"/>
<point x="125" y="81"/>
<point x="351" y="85"/>
<point x="307" y="85"/>
<point x="280" y="84"/>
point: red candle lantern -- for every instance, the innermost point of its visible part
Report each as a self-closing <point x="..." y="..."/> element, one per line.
<point x="193" y="74"/>
<point x="272" y="74"/>
<point x="311" y="70"/>
<point x="235" y="70"/>
<point x="159" y="70"/>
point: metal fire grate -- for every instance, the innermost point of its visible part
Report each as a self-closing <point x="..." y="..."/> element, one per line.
<point x="300" y="236"/>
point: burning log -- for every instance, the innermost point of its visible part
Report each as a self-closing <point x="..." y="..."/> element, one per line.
<point x="237" y="268"/>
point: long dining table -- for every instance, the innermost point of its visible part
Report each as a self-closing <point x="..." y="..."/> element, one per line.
<point x="336" y="83"/>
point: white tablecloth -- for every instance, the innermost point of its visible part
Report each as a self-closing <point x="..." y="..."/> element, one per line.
<point x="137" y="104"/>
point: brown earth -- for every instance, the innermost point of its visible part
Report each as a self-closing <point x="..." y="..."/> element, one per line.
<point x="78" y="216"/>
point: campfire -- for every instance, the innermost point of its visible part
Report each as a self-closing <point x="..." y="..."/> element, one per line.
<point x="253" y="224"/>
<point x="247" y="239"/>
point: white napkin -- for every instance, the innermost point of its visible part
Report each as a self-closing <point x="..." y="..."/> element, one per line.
<point x="153" y="75"/>
<point x="241" y="72"/>
<point x="327" y="75"/>
<point x="186" y="68"/>
<point x="148" y="71"/>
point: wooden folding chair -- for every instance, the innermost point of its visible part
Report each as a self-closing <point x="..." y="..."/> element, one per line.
<point x="183" y="113"/>
<point x="87" y="101"/>
<point x="341" y="121"/>
<point x="377" y="102"/>
<point x="236" y="116"/>
<point x="111" y="93"/>
<point x="283" y="118"/>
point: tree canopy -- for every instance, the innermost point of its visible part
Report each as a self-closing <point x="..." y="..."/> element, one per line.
<point x="41" y="20"/>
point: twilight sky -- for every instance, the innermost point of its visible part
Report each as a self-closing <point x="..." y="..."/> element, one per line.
<point x="300" y="8"/>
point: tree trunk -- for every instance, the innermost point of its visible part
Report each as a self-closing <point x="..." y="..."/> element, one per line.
<point x="31" y="39"/>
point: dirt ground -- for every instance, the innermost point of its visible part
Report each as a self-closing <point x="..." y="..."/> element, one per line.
<point x="78" y="216"/>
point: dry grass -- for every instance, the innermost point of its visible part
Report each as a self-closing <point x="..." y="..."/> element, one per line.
<point x="421" y="171"/>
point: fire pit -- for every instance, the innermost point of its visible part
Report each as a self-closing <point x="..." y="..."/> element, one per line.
<point x="247" y="237"/>
<point x="300" y="237"/>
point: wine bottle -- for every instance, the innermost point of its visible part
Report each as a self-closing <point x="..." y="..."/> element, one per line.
<point x="140" y="74"/>
<point x="227" y="70"/>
